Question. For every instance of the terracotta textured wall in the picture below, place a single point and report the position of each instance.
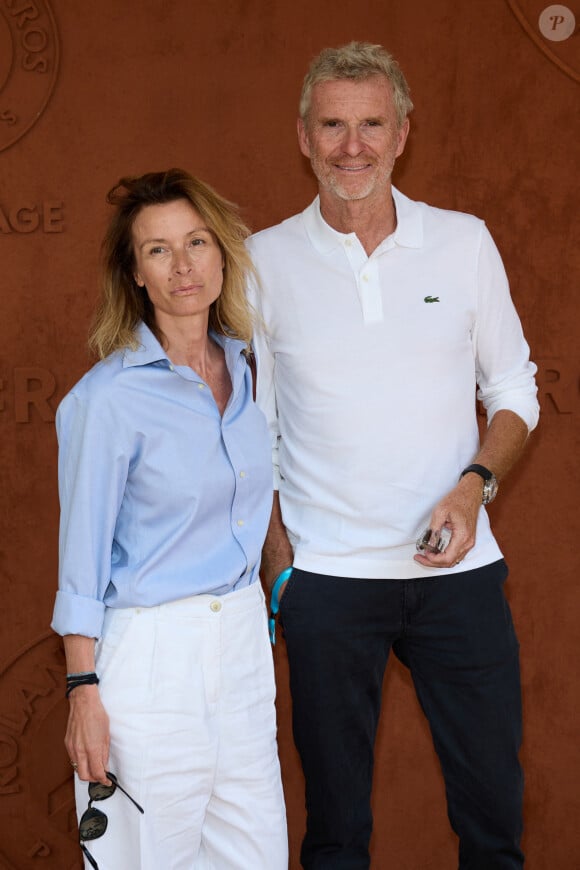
(90, 91)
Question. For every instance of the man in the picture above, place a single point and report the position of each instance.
(382, 316)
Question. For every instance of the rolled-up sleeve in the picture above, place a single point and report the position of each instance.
(77, 614)
(92, 472)
(505, 374)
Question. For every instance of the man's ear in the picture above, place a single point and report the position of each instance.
(403, 133)
(303, 138)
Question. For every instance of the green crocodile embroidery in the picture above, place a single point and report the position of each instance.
(431, 299)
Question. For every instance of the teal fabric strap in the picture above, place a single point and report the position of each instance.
(275, 600)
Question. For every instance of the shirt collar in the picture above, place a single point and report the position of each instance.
(233, 348)
(150, 350)
(408, 234)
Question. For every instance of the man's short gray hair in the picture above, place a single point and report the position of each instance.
(357, 61)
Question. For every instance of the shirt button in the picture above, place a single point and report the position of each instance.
(200, 386)
(242, 473)
(348, 243)
(215, 606)
(240, 522)
(365, 277)
(171, 369)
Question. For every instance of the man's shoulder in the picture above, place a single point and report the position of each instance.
(292, 227)
(451, 217)
(436, 218)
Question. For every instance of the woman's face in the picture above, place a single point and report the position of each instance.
(177, 260)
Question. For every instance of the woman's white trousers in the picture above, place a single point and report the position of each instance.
(189, 689)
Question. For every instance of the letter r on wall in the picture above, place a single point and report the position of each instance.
(33, 386)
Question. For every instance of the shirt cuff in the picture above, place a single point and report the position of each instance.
(527, 412)
(77, 614)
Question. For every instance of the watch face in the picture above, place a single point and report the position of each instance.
(490, 488)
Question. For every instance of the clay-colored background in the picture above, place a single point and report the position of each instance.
(212, 86)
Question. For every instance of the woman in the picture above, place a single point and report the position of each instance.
(165, 487)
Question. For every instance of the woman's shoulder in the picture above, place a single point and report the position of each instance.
(99, 385)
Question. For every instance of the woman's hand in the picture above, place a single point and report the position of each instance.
(87, 736)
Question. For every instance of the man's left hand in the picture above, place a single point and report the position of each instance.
(458, 511)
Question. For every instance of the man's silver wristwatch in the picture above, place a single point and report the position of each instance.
(490, 484)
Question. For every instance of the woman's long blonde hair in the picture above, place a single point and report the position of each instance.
(124, 304)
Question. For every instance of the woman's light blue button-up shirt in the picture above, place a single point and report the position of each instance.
(161, 497)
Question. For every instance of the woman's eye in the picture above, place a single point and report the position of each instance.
(156, 250)
(196, 242)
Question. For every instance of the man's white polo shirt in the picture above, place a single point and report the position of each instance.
(367, 373)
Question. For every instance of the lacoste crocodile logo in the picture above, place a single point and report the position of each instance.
(431, 299)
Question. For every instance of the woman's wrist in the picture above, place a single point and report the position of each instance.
(75, 681)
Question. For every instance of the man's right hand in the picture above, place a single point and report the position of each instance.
(277, 554)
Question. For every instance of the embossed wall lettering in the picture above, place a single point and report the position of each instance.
(29, 53)
(558, 386)
(558, 382)
(46, 216)
(33, 391)
(35, 788)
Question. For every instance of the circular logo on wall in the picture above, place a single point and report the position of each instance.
(553, 29)
(29, 54)
(37, 809)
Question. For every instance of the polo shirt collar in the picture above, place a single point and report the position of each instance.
(408, 234)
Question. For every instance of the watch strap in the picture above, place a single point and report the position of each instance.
(478, 469)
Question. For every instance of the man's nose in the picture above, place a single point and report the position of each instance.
(352, 143)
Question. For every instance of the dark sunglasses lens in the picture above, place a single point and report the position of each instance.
(93, 824)
(100, 792)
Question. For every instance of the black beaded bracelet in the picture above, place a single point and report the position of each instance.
(74, 680)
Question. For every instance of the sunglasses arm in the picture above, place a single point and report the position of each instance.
(114, 779)
(89, 857)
